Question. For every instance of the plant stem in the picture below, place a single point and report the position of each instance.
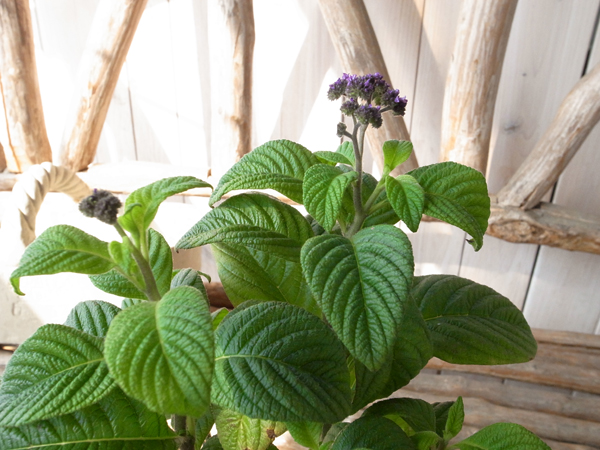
(378, 189)
(151, 289)
(358, 143)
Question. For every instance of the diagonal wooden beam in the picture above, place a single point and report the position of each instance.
(109, 40)
(473, 79)
(575, 119)
(356, 45)
(28, 141)
(231, 47)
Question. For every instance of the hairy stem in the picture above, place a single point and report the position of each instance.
(358, 142)
(151, 289)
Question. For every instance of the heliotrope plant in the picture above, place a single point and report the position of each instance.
(328, 316)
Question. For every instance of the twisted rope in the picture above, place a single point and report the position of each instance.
(18, 224)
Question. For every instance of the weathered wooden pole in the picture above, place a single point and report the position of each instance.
(2, 158)
(578, 114)
(356, 45)
(109, 40)
(28, 141)
(473, 79)
(231, 47)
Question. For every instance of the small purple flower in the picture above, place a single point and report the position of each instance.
(349, 107)
(399, 107)
(368, 114)
(337, 89)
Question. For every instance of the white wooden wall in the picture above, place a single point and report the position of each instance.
(161, 111)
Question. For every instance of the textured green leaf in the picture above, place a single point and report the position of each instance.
(347, 149)
(63, 248)
(121, 255)
(149, 199)
(407, 197)
(161, 263)
(218, 316)
(92, 317)
(458, 195)
(239, 432)
(502, 436)
(127, 302)
(188, 277)
(333, 158)
(278, 165)
(256, 241)
(425, 440)
(456, 417)
(203, 427)
(115, 422)
(212, 443)
(361, 284)
(412, 351)
(56, 371)
(411, 414)
(324, 188)
(471, 323)
(373, 433)
(307, 434)
(268, 347)
(395, 153)
(162, 353)
(441, 410)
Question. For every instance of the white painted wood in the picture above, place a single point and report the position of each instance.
(152, 85)
(531, 89)
(565, 289)
(437, 246)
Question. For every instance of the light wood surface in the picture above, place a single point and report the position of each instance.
(356, 44)
(28, 141)
(473, 79)
(575, 119)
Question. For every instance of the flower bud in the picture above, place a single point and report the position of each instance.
(102, 205)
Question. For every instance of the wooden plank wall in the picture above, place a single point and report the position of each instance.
(161, 111)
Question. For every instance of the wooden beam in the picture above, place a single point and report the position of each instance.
(109, 40)
(2, 158)
(473, 79)
(356, 45)
(549, 224)
(28, 141)
(231, 49)
(575, 119)
(480, 413)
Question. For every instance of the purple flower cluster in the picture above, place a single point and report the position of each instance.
(376, 93)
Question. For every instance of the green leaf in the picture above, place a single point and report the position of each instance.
(92, 317)
(203, 426)
(395, 153)
(115, 422)
(471, 323)
(212, 443)
(162, 352)
(237, 431)
(127, 302)
(150, 197)
(502, 436)
(256, 241)
(361, 284)
(412, 351)
(161, 263)
(410, 414)
(458, 195)
(441, 410)
(218, 316)
(63, 248)
(347, 149)
(373, 433)
(268, 347)
(324, 188)
(278, 165)
(306, 434)
(56, 371)
(188, 277)
(456, 417)
(333, 158)
(407, 197)
(121, 255)
(425, 440)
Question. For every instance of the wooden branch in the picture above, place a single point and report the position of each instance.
(217, 296)
(2, 158)
(28, 140)
(549, 224)
(231, 46)
(473, 79)
(480, 413)
(110, 37)
(513, 395)
(575, 119)
(356, 45)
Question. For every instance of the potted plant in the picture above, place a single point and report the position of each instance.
(328, 316)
